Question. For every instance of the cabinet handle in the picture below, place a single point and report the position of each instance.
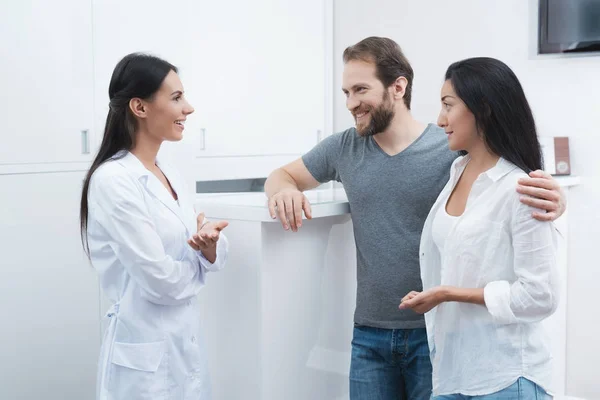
(318, 135)
(203, 146)
(85, 141)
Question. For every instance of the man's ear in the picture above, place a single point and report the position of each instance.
(399, 87)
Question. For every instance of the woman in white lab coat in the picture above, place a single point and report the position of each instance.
(151, 251)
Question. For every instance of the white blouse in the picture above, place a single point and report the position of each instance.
(442, 226)
(496, 245)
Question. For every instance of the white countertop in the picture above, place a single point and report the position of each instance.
(253, 206)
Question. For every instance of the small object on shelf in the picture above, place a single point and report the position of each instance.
(556, 155)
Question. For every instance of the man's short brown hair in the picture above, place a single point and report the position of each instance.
(388, 58)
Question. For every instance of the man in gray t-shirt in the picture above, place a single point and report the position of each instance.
(390, 197)
(392, 168)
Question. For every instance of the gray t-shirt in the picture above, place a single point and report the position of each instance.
(390, 197)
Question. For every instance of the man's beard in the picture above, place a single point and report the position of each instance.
(381, 118)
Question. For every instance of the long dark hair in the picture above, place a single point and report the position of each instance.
(492, 92)
(137, 75)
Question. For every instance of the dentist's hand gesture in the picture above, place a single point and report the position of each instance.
(207, 236)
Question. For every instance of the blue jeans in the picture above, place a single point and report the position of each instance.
(390, 364)
(522, 389)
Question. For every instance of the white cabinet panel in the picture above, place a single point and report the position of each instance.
(278, 318)
(262, 78)
(46, 76)
(167, 30)
(50, 336)
(254, 71)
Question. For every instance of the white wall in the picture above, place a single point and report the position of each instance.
(564, 92)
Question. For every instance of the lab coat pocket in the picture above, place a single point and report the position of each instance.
(138, 371)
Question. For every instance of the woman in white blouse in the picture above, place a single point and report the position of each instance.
(150, 249)
(488, 268)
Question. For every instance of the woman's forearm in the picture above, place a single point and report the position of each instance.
(463, 295)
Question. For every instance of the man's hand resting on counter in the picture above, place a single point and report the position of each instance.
(289, 204)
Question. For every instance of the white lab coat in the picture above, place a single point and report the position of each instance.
(137, 232)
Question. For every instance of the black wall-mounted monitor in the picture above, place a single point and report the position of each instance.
(569, 26)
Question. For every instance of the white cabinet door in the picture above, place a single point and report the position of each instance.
(50, 336)
(296, 75)
(46, 76)
(254, 71)
(260, 77)
(164, 29)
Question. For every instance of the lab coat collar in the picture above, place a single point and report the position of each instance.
(153, 184)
